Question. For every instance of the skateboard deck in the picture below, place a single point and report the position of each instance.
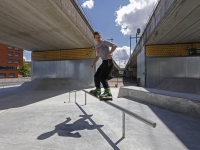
(101, 99)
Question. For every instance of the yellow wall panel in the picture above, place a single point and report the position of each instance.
(64, 54)
(46, 55)
(170, 50)
(77, 54)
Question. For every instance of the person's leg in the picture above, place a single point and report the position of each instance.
(105, 71)
(97, 77)
(97, 91)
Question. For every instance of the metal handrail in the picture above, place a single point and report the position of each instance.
(124, 111)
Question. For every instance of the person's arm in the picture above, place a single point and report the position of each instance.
(113, 48)
(96, 59)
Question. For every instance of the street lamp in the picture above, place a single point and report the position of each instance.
(136, 37)
(111, 39)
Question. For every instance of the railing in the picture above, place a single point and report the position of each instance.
(124, 111)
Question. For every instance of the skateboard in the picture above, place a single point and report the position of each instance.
(101, 99)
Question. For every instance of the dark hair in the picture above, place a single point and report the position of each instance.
(97, 33)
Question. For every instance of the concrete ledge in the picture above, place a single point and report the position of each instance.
(188, 104)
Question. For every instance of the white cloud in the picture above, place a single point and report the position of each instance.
(88, 4)
(121, 55)
(134, 15)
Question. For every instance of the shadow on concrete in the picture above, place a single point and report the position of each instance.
(64, 129)
(186, 129)
(112, 144)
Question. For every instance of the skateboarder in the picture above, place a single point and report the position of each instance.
(103, 51)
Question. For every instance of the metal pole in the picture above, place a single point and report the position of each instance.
(85, 99)
(69, 96)
(118, 79)
(136, 38)
(123, 124)
(130, 46)
(111, 39)
(75, 96)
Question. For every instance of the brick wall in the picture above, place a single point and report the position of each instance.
(10, 57)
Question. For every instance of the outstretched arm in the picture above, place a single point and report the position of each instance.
(96, 59)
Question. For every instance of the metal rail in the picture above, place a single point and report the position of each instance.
(124, 111)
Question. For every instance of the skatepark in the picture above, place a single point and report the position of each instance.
(41, 116)
(155, 106)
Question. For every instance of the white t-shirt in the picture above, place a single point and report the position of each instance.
(103, 49)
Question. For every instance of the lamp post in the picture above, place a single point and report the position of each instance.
(136, 37)
(111, 39)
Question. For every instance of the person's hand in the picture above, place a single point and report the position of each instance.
(108, 56)
(92, 66)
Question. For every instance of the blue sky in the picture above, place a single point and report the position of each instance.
(117, 19)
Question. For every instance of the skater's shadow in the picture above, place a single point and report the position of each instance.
(64, 129)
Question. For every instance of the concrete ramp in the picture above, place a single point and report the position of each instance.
(182, 85)
(45, 84)
(67, 84)
(185, 103)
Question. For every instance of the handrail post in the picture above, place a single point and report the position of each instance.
(123, 124)
(75, 96)
(69, 97)
(85, 98)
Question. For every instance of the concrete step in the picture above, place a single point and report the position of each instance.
(188, 104)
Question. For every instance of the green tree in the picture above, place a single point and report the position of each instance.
(24, 70)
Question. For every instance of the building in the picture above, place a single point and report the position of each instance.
(11, 58)
(28, 62)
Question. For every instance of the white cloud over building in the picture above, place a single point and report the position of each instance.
(134, 15)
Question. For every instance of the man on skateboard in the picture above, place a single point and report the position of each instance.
(103, 51)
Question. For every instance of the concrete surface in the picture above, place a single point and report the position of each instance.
(45, 120)
(182, 85)
(10, 82)
(122, 81)
(66, 84)
(44, 25)
(188, 104)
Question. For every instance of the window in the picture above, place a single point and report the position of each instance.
(10, 61)
(10, 53)
(8, 68)
(17, 54)
(10, 47)
(17, 61)
(17, 49)
(2, 75)
(11, 75)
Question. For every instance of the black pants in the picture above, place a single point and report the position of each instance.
(102, 73)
